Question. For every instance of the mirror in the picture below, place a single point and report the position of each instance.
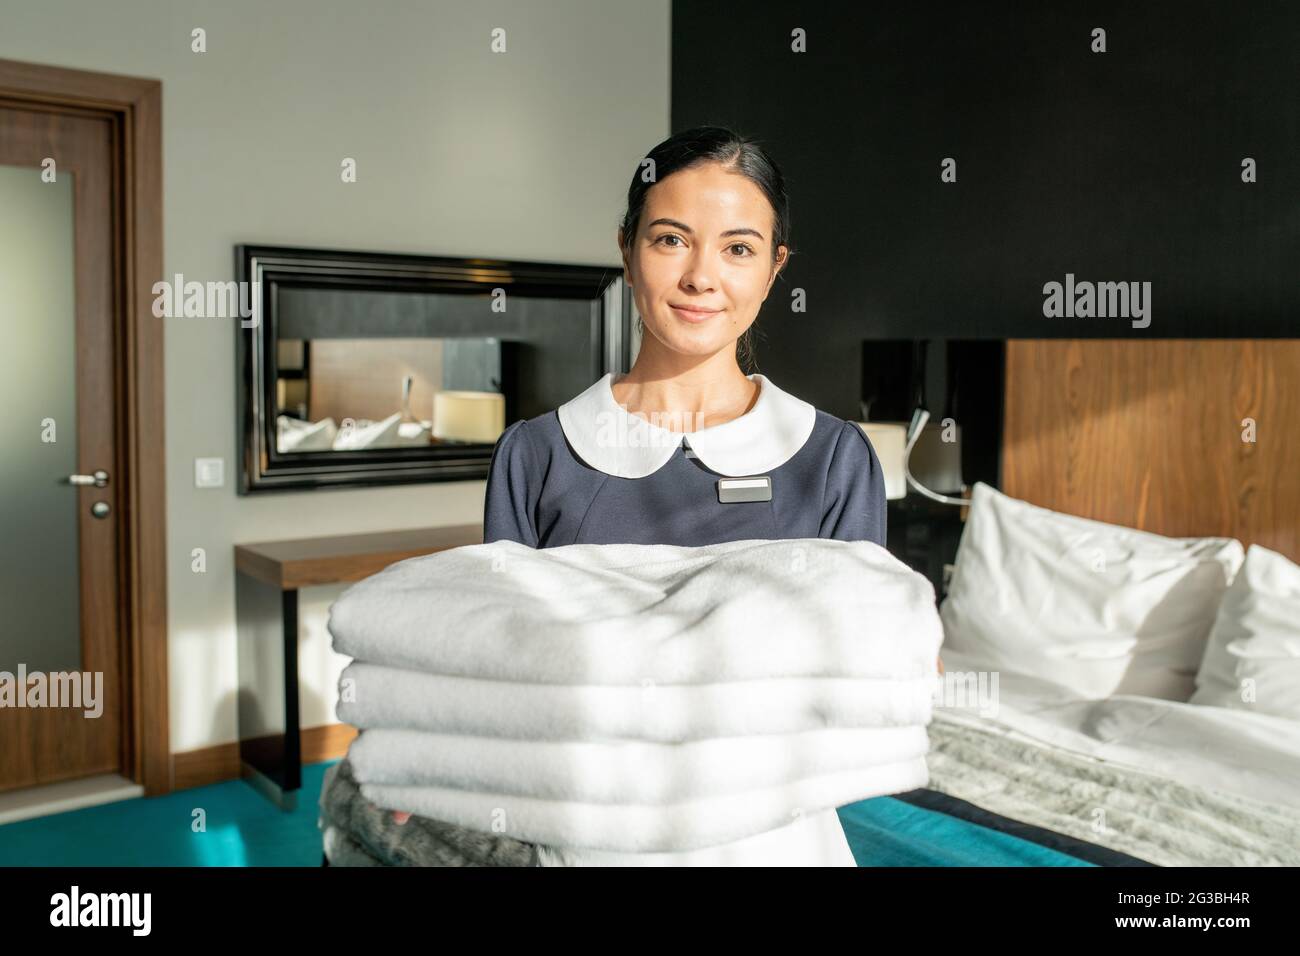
(371, 368)
(357, 394)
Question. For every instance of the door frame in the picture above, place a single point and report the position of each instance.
(134, 106)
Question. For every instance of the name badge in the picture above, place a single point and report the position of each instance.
(744, 489)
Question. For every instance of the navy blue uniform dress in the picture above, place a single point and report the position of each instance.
(590, 472)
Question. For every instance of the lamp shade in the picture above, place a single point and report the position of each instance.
(936, 457)
(469, 416)
(889, 441)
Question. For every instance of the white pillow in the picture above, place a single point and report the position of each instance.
(1097, 608)
(414, 433)
(1254, 648)
(293, 434)
(368, 434)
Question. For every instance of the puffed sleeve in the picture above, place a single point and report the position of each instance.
(854, 506)
(512, 488)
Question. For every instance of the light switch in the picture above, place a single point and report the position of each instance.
(209, 472)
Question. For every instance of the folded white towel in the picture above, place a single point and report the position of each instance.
(689, 825)
(372, 695)
(816, 839)
(626, 614)
(625, 772)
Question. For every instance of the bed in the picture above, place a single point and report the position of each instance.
(1145, 713)
(1123, 780)
(1052, 780)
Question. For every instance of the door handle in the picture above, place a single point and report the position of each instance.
(99, 479)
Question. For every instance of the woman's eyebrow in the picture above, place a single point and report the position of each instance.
(745, 231)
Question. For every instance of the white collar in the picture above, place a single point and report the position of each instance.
(611, 439)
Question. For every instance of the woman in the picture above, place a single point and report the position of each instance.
(646, 457)
(638, 458)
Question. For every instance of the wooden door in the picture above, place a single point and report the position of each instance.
(59, 565)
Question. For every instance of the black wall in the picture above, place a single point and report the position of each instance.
(1116, 166)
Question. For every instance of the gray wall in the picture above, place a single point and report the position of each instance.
(460, 152)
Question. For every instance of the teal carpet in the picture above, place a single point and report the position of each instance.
(243, 828)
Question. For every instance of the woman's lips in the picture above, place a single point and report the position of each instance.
(693, 315)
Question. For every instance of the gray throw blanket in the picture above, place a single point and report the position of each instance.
(357, 833)
(1125, 808)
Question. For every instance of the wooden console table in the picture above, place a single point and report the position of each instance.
(267, 578)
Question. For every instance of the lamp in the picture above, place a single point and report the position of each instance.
(468, 416)
(890, 442)
(953, 457)
(897, 377)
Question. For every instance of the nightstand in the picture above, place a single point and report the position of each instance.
(268, 576)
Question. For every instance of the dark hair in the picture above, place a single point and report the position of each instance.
(740, 154)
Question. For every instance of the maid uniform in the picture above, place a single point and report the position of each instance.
(590, 472)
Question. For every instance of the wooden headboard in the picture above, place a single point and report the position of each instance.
(1149, 434)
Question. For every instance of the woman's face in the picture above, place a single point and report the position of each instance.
(701, 263)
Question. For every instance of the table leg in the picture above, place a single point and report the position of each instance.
(270, 737)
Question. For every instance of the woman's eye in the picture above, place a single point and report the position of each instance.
(674, 241)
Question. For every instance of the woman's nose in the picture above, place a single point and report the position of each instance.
(698, 277)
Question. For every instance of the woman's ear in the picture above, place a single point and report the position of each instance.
(782, 257)
(627, 268)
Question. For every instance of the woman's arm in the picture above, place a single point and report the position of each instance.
(511, 500)
(510, 508)
(853, 508)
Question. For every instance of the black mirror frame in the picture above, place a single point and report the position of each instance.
(263, 468)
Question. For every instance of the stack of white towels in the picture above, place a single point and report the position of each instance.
(642, 704)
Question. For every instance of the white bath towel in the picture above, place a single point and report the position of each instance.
(640, 828)
(627, 614)
(624, 772)
(816, 839)
(373, 695)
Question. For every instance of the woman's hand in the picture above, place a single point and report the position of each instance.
(399, 816)
(940, 660)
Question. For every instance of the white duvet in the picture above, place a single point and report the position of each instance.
(1250, 754)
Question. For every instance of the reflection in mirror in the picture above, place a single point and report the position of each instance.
(338, 394)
